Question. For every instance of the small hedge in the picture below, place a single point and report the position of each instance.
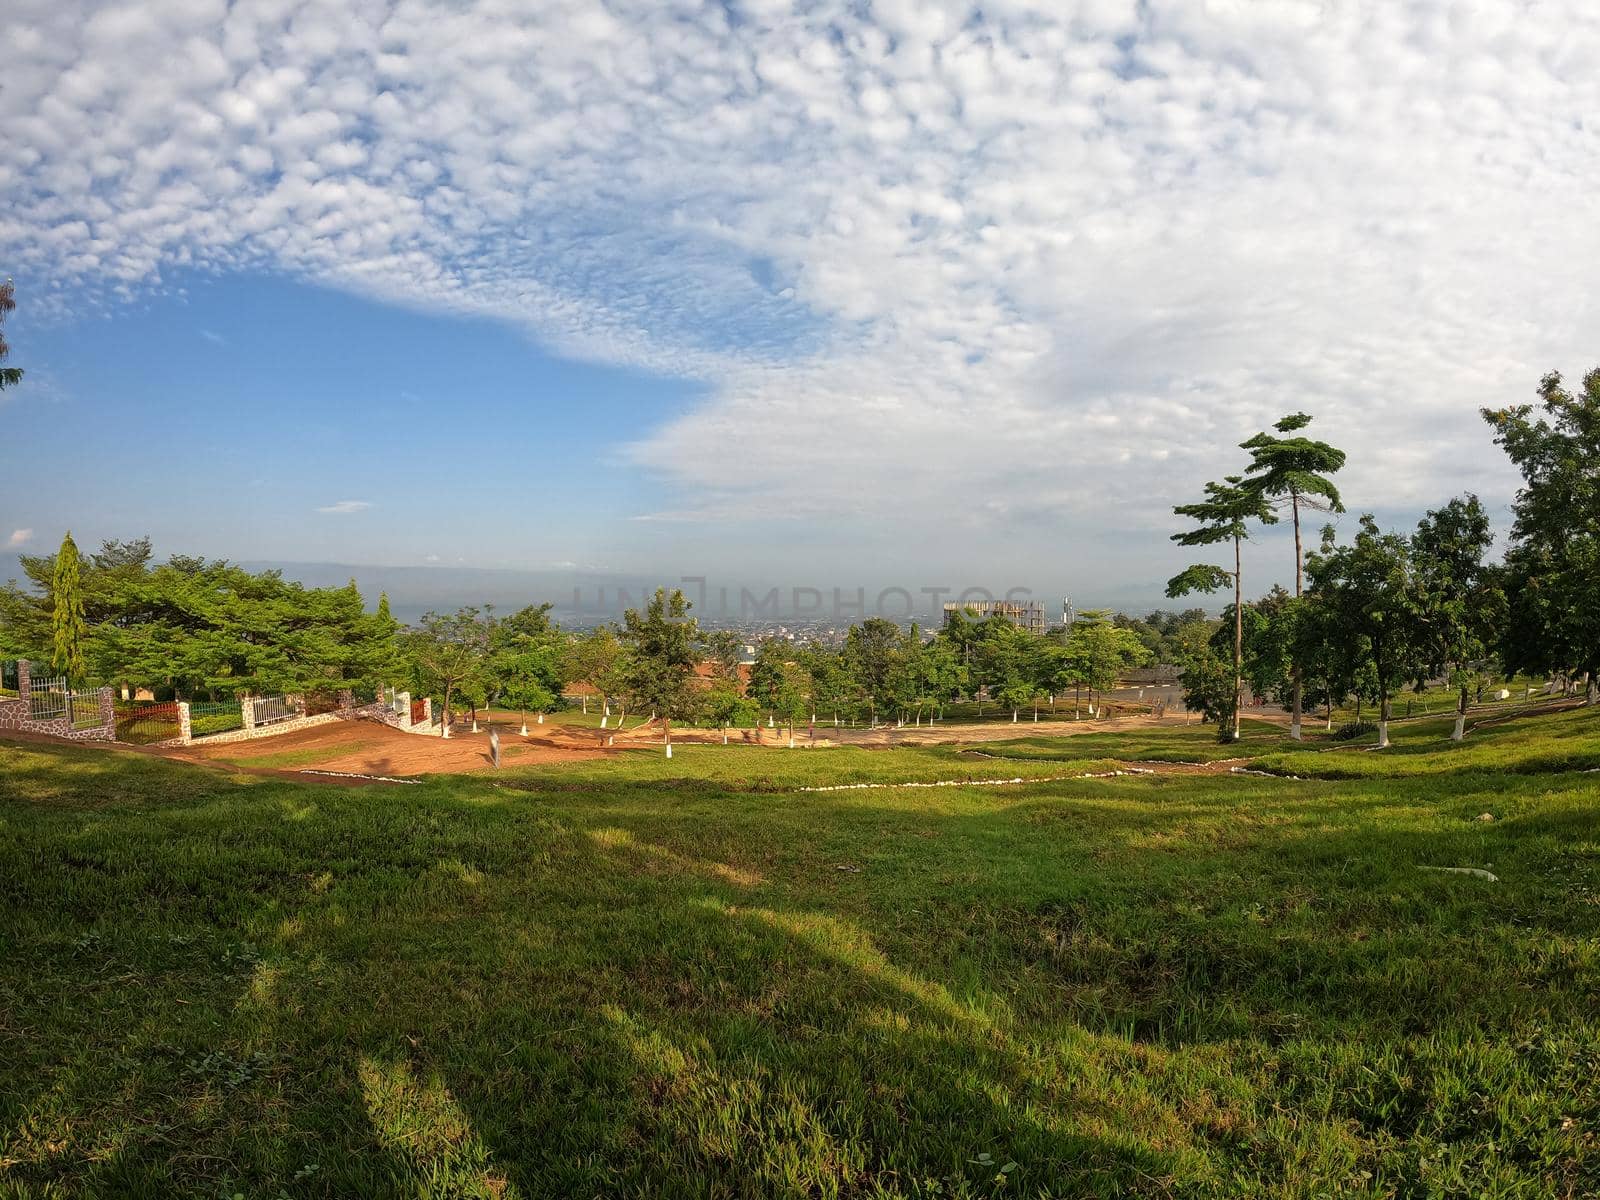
(1354, 729)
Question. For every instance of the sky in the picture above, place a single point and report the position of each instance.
(898, 293)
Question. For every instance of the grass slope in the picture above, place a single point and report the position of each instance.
(641, 978)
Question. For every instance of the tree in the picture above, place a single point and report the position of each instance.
(1224, 515)
(931, 672)
(1459, 594)
(1296, 468)
(1553, 564)
(870, 650)
(832, 686)
(9, 376)
(450, 651)
(66, 612)
(598, 659)
(1370, 590)
(1003, 663)
(524, 661)
(1102, 651)
(661, 666)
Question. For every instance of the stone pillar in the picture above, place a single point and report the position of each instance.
(108, 713)
(402, 708)
(247, 713)
(347, 700)
(185, 729)
(427, 710)
(24, 680)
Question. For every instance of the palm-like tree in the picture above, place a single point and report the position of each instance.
(1295, 469)
(1224, 515)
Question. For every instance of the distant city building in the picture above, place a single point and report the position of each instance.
(1026, 614)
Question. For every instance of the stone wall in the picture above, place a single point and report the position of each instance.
(293, 725)
(18, 714)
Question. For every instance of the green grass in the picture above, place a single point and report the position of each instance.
(648, 978)
(310, 756)
(1564, 741)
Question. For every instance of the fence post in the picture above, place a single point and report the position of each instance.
(347, 701)
(247, 712)
(427, 710)
(185, 727)
(24, 681)
(108, 713)
(402, 709)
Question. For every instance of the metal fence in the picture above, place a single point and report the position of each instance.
(269, 710)
(83, 708)
(47, 698)
(144, 724)
(209, 717)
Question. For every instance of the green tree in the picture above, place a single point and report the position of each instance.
(1370, 591)
(1553, 564)
(9, 376)
(1462, 604)
(660, 673)
(832, 687)
(870, 651)
(67, 627)
(449, 650)
(1295, 468)
(1224, 515)
(932, 674)
(525, 659)
(1102, 651)
(600, 660)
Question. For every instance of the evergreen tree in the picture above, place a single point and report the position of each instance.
(66, 612)
(663, 641)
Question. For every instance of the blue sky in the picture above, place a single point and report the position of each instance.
(255, 416)
(819, 293)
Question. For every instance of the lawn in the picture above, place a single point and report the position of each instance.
(648, 978)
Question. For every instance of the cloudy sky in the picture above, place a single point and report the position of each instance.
(813, 293)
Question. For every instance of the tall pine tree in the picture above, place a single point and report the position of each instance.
(67, 625)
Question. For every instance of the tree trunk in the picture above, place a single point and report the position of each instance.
(666, 728)
(444, 725)
(1299, 575)
(1383, 720)
(1238, 638)
(1461, 716)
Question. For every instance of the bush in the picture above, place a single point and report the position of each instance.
(1354, 729)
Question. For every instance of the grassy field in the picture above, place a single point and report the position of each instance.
(650, 978)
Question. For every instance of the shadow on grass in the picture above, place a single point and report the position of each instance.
(465, 989)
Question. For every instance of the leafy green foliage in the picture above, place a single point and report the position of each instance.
(663, 642)
(192, 627)
(1553, 565)
(10, 377)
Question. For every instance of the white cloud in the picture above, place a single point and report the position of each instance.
(1058, 257)
(344, 507)
(19, 537)
(216, 339)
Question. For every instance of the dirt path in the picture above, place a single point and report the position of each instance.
(368, 748)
